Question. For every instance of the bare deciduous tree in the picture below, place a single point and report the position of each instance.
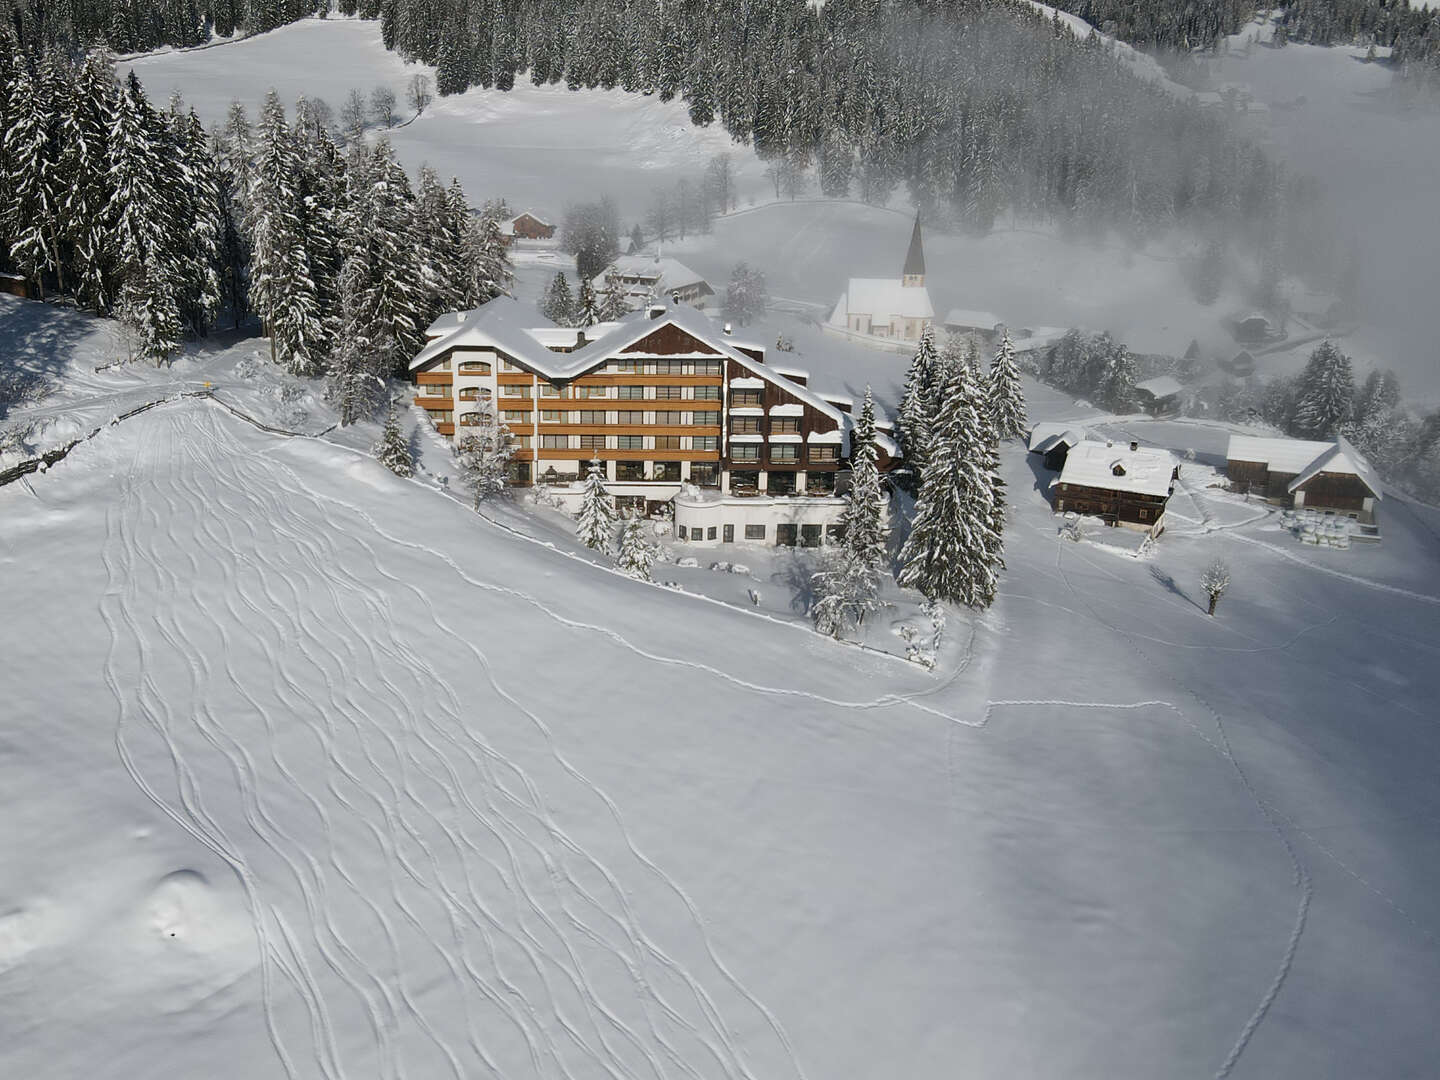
(382, 106)
(417, 92)
(352, 116)
(1215, 581)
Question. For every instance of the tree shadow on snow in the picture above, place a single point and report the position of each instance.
(40, 338)
(1171, 585)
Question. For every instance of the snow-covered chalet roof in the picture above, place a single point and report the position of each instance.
(1145, 470)
(533, 217)
(1046, 435)
(502, 325)
(972, 320)
(1162, 386)
(661, 273)
(1276, 454)
(1340, 458)
(882, 299)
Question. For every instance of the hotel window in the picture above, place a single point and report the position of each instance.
(705, 473)
(629, 470)
(436, 389)
(444, 365)
(517, 391)
(555, 442)
(627, 367)
(631, 393)
(671, 367)
(707, 393)
(684, 533)
(706, 419)
(522, 441)
(754, 532)
(591, 417)
(628, 416)
(784, 425)
(786, 453)
(629, 442)
(707, 367)
(546, 390)
(475, 419)
(441, 416)
(552, 416)
(667, 442)
(745, 425)
(668, 470)
(704, 442)
(824, 453)
(510, 365)
(669, 393)
(710, 533)
(669, 418)
(592, 442)
(515, 415)
(592, 391)
(474, 393)
(745, 452)
(475, 367)
(834, 534)
(746, 399)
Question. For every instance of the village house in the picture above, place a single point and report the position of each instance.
(679, 412)
(647, 278)
(889, 308)
(527, 226)
(1125, 485)
(1160, 395)
(981, 327)
(1299, 473)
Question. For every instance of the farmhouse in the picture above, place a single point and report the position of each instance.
(1159, 395)
(676, 409)
(527, 226)
(1123, 485)
(981, 327)
(1299, 473)
(888, 308)
(647, 278)
(1054, 441)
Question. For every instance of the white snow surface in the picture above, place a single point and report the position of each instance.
(1116, 467)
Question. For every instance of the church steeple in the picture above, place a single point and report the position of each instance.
(914, 273)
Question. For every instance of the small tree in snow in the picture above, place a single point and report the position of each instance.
(595, 523)
(392, 449)
(847, 589)
(746, 296)
(417, 92)
(637, 548)
(558, 304)
(484, 457)
(382, 106)
(1215, 581)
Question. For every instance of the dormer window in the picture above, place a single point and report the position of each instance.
(1117, 469)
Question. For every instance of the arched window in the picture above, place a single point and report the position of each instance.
(475, 367)
(474, 419)
(474, 393)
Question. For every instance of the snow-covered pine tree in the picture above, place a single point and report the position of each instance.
(847, 590)
(1327, 393)
(355, 364)
(281, 287)
(953, 552)
(917, 407)
(595, 521)
(1007, 396)
(392, 449)
(487, 256)
(198, 231)
(637, 547)
(559, 305)
(233, 154)
(441, 235)
(587, 309)
(746, 295)
(485, 456)
(84, 167)
(32, 205)
(863, 520)
(612, 302)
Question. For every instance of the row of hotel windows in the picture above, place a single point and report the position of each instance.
(785, 452)
(626, 442)
(617, 367)
(786, 535)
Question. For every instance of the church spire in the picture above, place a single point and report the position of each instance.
(914, 272)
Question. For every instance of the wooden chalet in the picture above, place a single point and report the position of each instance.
(1127, 485)
(1330, 476)
(526, 226)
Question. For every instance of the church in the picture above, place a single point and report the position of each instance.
(889, 308)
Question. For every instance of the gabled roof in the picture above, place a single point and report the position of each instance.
(1144, 470)
(1045, 436)
(1340, 458)
(915, 257)
(501, 325)
(1278, 455)
(978, 320)
(881, 298)
(1162, 386)
(665, 272)
(533, 217)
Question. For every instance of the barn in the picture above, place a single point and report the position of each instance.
(1053, 442)
(1160, 395)
(1125, 485)
(1301, 473)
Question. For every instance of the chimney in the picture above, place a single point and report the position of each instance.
(579, 339)
(1134, 445)
(727, 329)
(655, 311)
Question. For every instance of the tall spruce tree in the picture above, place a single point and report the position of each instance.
(485, 456)
(637, 548)
(32, 201)
(1327, 393)
(559, 305)
(1007, 396)
(953, 551)
(917, 408)
(85, 166)
(595, 521)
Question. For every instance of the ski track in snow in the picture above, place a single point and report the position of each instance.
(519, 918)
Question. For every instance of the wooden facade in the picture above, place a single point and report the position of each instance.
(528, 227)
(1111, 505)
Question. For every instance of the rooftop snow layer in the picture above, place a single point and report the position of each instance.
(1161, 386)
(976, 320)
(1340, 458)
(1279, 455)
(1143, 471)
(1046, 435)
(882, 298)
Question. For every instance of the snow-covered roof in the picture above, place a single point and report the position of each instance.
(533, 216)
(785, 438)
(1142, 471)
(1279, 455)
(501, 325)
(784, 410)
(882, 298)
(748, 410)
(975, 320)
(661, 272)
(747, 438)
(1340, 458)
(1045, 436)
(791, 372)
(824, 436)
(1162, 386)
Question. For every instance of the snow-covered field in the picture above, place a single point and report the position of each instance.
(311, 771)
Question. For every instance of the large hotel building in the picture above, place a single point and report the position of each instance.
(676, 409)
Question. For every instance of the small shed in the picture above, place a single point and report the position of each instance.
(1053, 442)
(14, 284)
(528, 226)
(1161, 394)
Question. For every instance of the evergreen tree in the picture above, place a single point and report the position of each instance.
(746, 296)
(84, 167)
(917, 407)
(637, 548)
(355, 362)
(486, 271)
(595, 522)
(392, 449)
(587, 308)
(864, 528)
(846, 592)
(1327, 393)
(953, 550)
(1007, 396)
(558, 305)
(484, 457)
(32, 205)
